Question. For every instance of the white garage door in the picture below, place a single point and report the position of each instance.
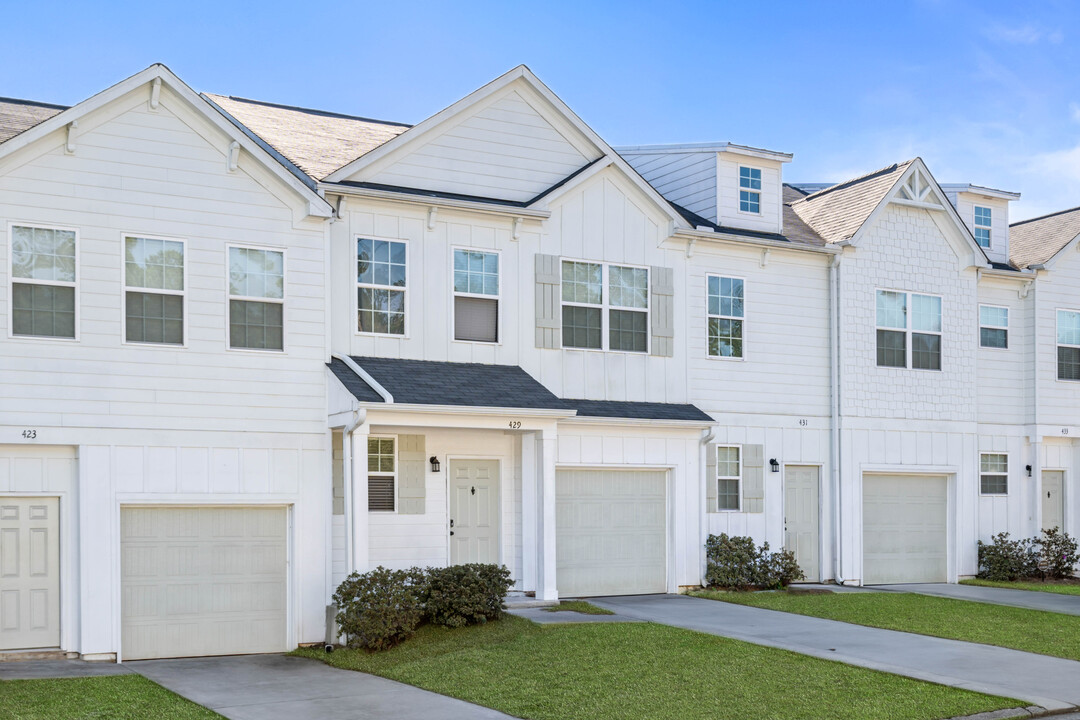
(611, 532)
(904, 529)
(202, 581)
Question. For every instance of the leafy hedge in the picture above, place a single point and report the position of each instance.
(1052, 555)
(737, 563)
(381, 608)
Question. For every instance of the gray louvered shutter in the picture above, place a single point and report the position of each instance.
(411, 478)
(710, 478)
(662, 307)
(548, 301)
(753, 478)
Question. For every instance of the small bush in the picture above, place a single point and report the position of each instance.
(1005, 559)
(462, 595)
(736, 563)
(379, 609)
(1057, 554)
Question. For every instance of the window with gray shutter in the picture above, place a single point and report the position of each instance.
(412, 466)
(728, 461)
(662, 296)
(548, 301)
(382, 472)
(753, 475)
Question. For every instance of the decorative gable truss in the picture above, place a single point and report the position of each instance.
(917, 190)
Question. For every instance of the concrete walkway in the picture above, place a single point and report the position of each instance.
(42, 669)
(1050, 682)
(276, 687)
(1028, 599)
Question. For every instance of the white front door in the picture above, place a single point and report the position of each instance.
(1053, 486)
(29, 572)
(474, 511)
(801, 517)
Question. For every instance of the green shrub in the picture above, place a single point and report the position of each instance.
(1005, 559)
(736, 563)
(1057, 554)
(379, 609)
(462, 595)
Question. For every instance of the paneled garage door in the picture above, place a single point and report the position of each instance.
(611, 532)
(202, 581)
(904, 529)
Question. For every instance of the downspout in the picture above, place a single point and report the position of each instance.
(707, 436)
(1035, 494)
(834, 430)
(359, 416)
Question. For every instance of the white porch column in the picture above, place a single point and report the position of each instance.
(530, 513)
(545, 483)
(358, 477)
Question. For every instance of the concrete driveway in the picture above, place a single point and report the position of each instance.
(1028, 599)
(1050, 682)
(276, 687)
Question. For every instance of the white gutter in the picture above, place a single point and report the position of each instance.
(834, 450)
(693, 235)
(429, 201)
(471, 410)
(365, 376)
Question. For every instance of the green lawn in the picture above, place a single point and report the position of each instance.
(117, 697)
(1032, 630)
(641, 670)
(579, 606)
(1050, 587)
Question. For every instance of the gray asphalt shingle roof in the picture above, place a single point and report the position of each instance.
(430, 382)
(17, 116)
(837, 212)
(1033, 242)
(315, 141)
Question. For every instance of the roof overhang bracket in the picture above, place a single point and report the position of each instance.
(765, 257)
(516, 232)
(234, 156)
(155, 94)
(432, 212)
(69, 144)
(690, 243)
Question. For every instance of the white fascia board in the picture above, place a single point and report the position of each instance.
(690, 425)
(428, 200)
(1073, 244)
(980, 190)
(467, 410)
(705, 148)
(1020, 275)
(317, 205)
(694, 235)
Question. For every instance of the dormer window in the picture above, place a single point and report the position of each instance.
(983, 220)
(749, 190)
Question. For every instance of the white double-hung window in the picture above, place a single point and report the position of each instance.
(728, 476)
(154, 290)
(908, 330)
(256, 299)
(726, 310)
(382, 474)
(380, 286)
(605, 307)
(1068, 344)
(983, 221)
(993, 327)
(994, 474)
(476, 296)
(43, 278)
(749, 190)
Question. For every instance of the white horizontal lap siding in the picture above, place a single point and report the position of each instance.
(1005, 391)
(615, 447)
(727, 185)
(1058, 289)
(906, 251)
(786, 355)
(157, 174)
(506, 150)
(603, 220)
(688, 179)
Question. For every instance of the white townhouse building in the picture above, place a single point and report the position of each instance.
(251, 348)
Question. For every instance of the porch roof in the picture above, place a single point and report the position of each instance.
(430, 382)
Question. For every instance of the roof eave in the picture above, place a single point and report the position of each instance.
(416, 198)
(828, 249)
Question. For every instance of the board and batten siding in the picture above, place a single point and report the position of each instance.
(155, 173)
(604, 219)
(506, 149)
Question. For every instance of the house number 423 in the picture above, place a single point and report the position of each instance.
(29, 434)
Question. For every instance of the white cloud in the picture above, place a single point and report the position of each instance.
(1074, 111)
(1022, 34)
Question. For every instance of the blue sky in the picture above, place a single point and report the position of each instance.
(985, 92)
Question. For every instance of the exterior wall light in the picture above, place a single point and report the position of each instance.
(774, 466)
(434, 463)
(1028, 468)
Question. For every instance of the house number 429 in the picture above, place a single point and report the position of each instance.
(515, 424)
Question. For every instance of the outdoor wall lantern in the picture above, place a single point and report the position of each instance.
(774, 466)
(434, 464)
(1028, 468)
